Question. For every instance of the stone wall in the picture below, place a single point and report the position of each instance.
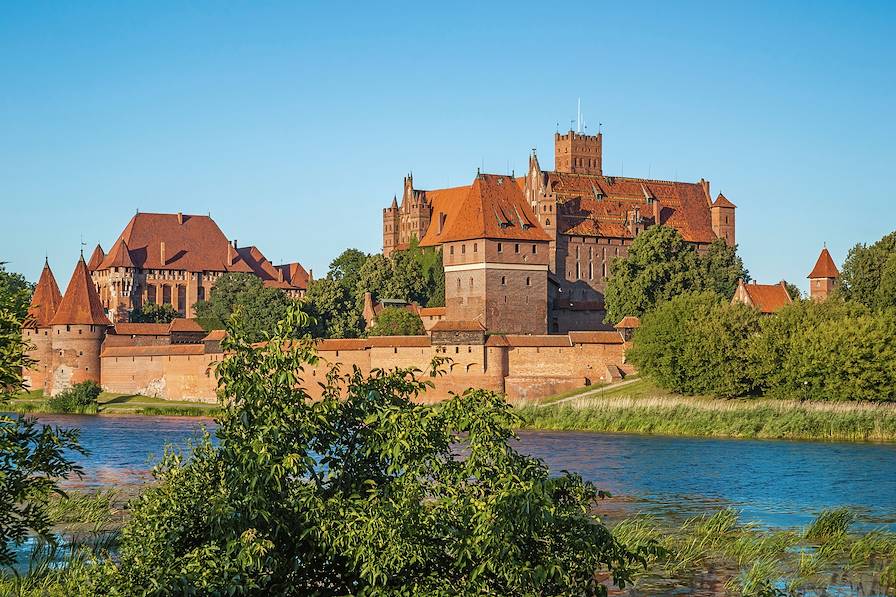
(173, 372)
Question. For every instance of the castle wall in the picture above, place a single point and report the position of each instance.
(76, 356)
(37, 376)
(174, 372)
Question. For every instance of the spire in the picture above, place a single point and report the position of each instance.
(45, 300)
(119, 256)
(96, 259)
(722, 201)
(81, 304)
(824, 267)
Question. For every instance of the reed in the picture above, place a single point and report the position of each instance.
(633, 409)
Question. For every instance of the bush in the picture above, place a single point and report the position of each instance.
(80, 398)
(361, 492)
(393, 321)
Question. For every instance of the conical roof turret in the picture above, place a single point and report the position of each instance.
(824, 267)
(81, 304)
(45, 299)
(96, 258)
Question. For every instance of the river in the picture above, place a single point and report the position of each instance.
(773, 483)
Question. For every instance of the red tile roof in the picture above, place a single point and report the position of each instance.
(538, 341)
(215, 335)
(824, 267)
(599, 205)
(767, 298)
(445, 204)
(141, 329)
(431, 311)
(45, 299)
(398, 341)
(628, 322)
(494, 207)
(119, 256)
(598, 337)
(295, 274)
(181, 324)
(96, 258)
(722, 201)
(342, 344)
(153, 351)
(192, 243)
(458, 326)
(81, 304)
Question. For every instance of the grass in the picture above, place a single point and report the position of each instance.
(716, 549)
(120, 404)
(641, 407)
(571, 393)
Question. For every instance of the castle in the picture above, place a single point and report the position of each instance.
(573, 220)
(176, 259)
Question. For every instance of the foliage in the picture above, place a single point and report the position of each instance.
(15, 292)
(793, 291)
(363, 492)
(154, 313)
(696, 344)
(80, 398)
(393, 321)
(32, 456)
(336, 301)
(869, 274)
(661, 265)
(246, 297)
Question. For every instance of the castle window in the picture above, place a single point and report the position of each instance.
(503, 281)
(500, 248)
(80, 354)
(451, 250)
(471, 282)
(463, 249)
(68, 328)
(458, 282)
(475, 247)
(528, 281)
(578, 272)
(516, 248)
(534, 249)
(604, 267)
(547, 222)
(590, 270)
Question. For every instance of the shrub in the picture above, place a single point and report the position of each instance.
(80, 398)
(393, 321)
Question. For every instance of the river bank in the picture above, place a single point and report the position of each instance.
(641, 407)
(116, 404)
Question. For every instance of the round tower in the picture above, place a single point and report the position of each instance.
(77, 332)
(37, 330)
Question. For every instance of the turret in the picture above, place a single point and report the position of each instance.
(577, 153)
(37, 330)
(823, 277)
(391, 224)
(722, 213)
(78, 329)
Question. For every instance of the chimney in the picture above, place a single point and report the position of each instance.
(279, 273)
(657, 211)
(234, 243)
(180, 218)
(162, 253)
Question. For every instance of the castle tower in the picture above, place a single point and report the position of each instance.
(496, 261)
(577, 153)
(37, 330)
(115, 281)
(78, 329)
(823, 277)
(96, 258)
(722, 214)
(391, 222)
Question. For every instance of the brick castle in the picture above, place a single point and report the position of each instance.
(571, 223)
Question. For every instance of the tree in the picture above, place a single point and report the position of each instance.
(659, 266)
(246, 297)
(793, 290)
(363, 492)
(334, 310)
(697, 344)
(32, 457)
(346, 267)
(397, 322)
(869, 273)
(722, 268)
(15, 292)
(154, 313)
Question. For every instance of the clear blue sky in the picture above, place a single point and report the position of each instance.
(293, 124)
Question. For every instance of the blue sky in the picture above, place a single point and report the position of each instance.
(293, 123)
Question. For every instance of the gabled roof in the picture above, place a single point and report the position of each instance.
(45, 299)
(767, 298)
(192, 243)
(96, 258)
(182, 324)
(493, 208)
(629, 322)
(141, 329)
(722, 201)
(295, 274)
(445, 204)
(81, 304)
(119, 256)
(599, 205)
(824, 267)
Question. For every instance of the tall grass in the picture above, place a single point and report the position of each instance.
(743, 418)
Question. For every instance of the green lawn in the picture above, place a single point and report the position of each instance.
(120, 404)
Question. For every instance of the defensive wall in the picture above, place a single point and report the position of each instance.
(522, 367)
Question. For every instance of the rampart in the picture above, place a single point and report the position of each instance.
(522, 367)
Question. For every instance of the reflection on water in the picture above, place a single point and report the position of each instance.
(774, 483)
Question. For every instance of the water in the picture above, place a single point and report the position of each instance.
(774, 483)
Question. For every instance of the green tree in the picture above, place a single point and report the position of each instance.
(869, 273)
(334, 310)
(660, 265)
(346, 267)
(32, 457)
(154, 313)
(793, 290)
(244, 296)
(397, 322)
(15, 292)
(697, 344)
(722, 268)
(363, 492)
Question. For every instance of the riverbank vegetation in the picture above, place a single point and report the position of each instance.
(108, 403)
(643, 407)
